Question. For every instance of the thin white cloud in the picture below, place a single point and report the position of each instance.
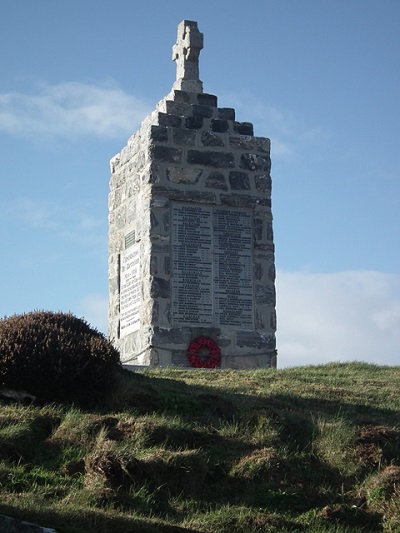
(71, 109)
(72, 222)
(342, 316)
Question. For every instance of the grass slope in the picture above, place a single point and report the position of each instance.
(313, 449)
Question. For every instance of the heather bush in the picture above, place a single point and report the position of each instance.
(55, 356)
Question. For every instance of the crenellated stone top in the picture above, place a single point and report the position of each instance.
(186, 54)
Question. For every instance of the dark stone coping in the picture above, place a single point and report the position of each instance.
(165, 119)
(207, 99)
(244, 128)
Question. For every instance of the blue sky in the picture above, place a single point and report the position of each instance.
(320, 78)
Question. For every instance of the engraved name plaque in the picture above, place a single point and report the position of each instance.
(212, 266)
(192, 265)
(130, 290)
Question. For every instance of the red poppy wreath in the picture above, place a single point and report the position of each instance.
(214, 358)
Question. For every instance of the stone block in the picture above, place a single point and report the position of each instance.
(239, 181)
(254, 162)
(207, 99)
(243, 128)
(184, 174)
(181, 97)
(262, 144)
(241, 362)
(226, 113)
(167, 154)
(255, 340)
(159, 133)
(258, 271)
(263, 183)
(243, 142)
(194, 123)
(176, 108)
(265, 295)
(169, 120)
(203, 111)
(172, 336)
(211, 139)
(216, 180)
(184, 136)
(211, 159)
(238, 200)
(219, 126)
(160, 288)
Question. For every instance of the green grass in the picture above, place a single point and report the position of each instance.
(310, 449)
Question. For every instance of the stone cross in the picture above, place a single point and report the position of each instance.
(186, 53)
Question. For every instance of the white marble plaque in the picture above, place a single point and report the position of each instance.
(212, 266)
(130, 290)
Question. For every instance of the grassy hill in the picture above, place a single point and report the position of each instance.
(313, 449)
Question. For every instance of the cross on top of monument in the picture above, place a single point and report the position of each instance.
(186, 53)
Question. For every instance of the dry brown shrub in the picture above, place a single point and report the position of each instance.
(55, 356)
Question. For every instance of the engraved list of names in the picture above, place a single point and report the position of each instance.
(212, 266)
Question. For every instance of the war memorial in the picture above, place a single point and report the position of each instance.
(191, 252)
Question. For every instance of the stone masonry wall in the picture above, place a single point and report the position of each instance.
(189, 150)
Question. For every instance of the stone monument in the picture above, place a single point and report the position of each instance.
(191, 252)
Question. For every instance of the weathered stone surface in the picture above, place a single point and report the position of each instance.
(211, 139)
(262, 144)
(169, 120)
(238, 200)
(167, 154)
(220, 126)
(207, 99)
(181, 97)
(216, 180)
(159, 133)
(244, 128)
(243, 362)
(254, 162)
(272, 272)
(263, 183)
(160, 288)
(241, 142)
(184, 174)
(239, 181)
(175, 336)
(226, 113)
(203, 111)
(194, 123)
(185, 195)
(256, 340)
(211, 159)
(183, 136)
(265, 295)
(186, 53)
(259, 272)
